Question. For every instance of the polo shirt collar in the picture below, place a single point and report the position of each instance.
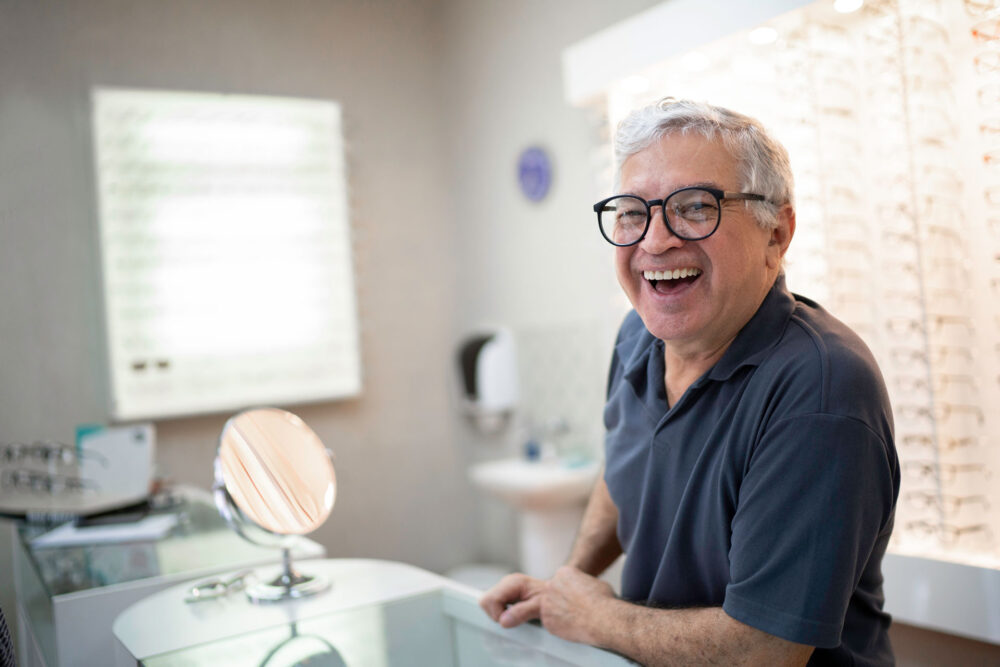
(759, 335)
(634, 355)
(749, 347)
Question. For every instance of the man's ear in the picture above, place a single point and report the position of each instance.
(781, 235)
(783, 232)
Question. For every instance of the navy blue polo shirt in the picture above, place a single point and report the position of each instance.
(768, 489)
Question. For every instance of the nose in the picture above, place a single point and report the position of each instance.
(658, 237)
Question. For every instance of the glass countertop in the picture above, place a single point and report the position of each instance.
(377, 614)
(200, 541)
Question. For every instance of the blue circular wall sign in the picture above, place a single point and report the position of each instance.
(534, 173)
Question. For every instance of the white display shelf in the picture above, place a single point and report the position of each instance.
(948, 597)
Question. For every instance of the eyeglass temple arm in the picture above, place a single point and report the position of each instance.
(743, 195)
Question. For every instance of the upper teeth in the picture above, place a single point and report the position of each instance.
(670, 275)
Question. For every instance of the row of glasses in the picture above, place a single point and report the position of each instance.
(983, 23)
(886, 210)
(927, 314)
(48, 452)
(46, 467)
(983, 20)
(945, 505)
(35, 481)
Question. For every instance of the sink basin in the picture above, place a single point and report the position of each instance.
(536, 485)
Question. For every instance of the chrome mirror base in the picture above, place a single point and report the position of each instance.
(289, 585)
(279, 589)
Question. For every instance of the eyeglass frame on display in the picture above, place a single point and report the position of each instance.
(948, 444)
(16, 478)
(218, 587)
(947, 502)
(944, 380)
(981, 8)
(944, 472)
(948, 533)
(987, 30)
(48, 452)
(940, 412)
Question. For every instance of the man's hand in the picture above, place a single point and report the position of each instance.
(566, 604)
(580, 608)
(523, 595)
(571, 605)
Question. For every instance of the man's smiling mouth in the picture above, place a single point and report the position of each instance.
(671, 275)
(665, 281)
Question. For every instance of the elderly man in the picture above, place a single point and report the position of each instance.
(751, 476)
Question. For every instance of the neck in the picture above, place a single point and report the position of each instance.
(686, 361)
(682, 369)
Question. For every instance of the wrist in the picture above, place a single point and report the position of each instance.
(607, 617)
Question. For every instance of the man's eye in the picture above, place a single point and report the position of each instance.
(696, 209)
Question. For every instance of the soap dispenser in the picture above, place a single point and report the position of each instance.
(488, 364)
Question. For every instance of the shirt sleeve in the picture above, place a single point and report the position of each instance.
(817, 492)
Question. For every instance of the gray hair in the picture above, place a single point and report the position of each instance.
(762, 161)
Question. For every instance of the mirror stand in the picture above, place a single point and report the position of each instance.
(290, 584)
(274, 481)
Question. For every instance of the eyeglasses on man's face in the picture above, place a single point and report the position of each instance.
(690, 214)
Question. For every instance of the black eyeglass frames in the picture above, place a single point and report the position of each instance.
(690, 213)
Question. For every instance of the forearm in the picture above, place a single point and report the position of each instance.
(596, 546)
(704, 636)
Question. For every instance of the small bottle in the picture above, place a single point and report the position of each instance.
(532, 450)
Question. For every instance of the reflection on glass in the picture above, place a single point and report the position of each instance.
(301, 649)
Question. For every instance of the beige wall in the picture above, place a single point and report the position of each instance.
(402, 494)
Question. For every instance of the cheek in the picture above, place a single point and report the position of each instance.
(626, 277)
(750, 252)
(623, 270)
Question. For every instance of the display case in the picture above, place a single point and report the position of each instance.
(68, 596)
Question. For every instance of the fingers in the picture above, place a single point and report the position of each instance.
(511, 590)
(522, 611)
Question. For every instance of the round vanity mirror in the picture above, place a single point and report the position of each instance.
(274, 480)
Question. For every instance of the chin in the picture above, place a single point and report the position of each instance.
(668, 327)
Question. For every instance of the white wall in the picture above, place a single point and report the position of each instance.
(541, 268)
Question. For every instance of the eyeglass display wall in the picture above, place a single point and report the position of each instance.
(226, 251)
(891, 115)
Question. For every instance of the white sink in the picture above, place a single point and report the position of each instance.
(536, 485)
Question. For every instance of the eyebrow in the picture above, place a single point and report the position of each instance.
(699, 184)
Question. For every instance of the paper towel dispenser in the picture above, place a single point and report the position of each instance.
(488, 363)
